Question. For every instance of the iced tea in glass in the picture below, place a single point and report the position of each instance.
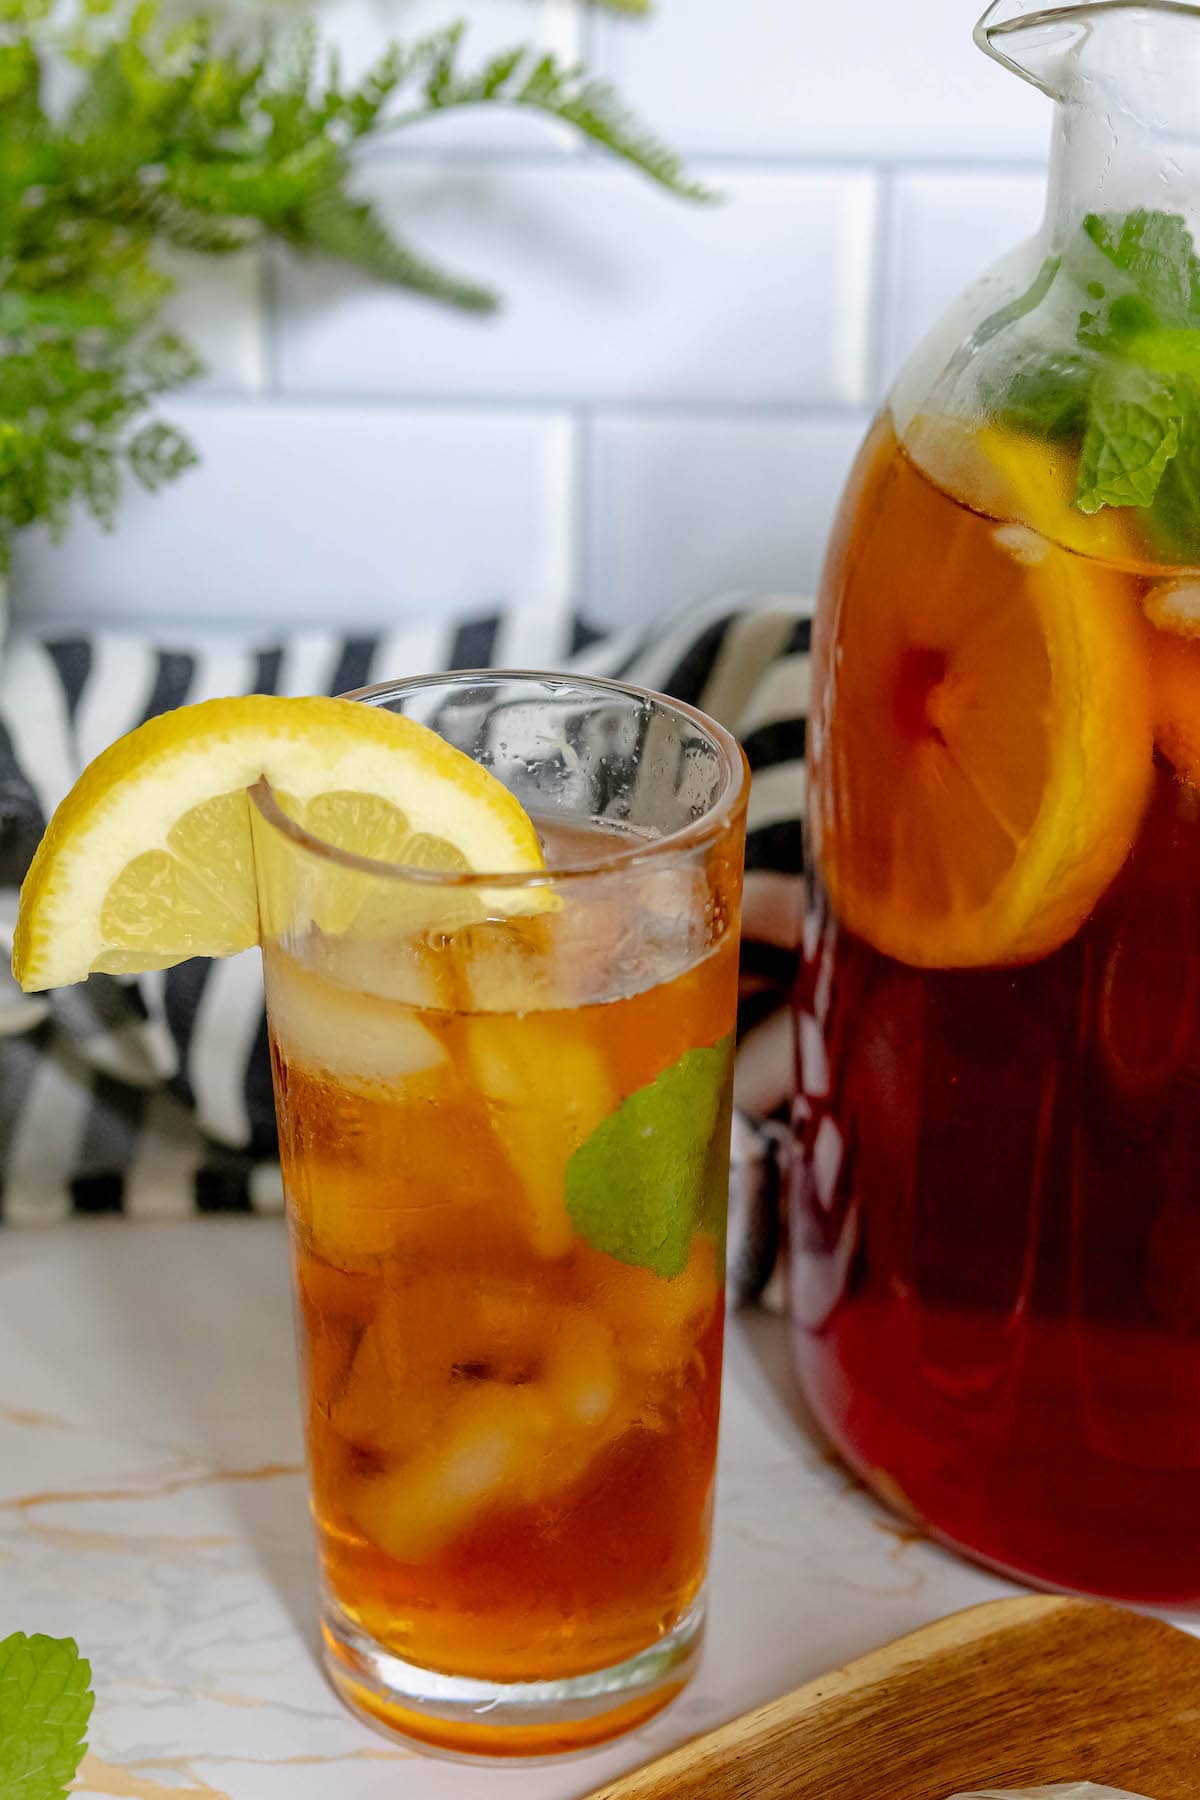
(504, 1110)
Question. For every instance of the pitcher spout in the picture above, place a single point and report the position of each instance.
(1137, 54)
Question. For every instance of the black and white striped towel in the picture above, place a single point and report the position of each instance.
(153, 1096)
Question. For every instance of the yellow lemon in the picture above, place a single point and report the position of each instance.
(149, 859)
(983, 739)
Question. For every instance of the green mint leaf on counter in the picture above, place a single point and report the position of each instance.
(656, 1171)
(1132, 434)
(45, 1704)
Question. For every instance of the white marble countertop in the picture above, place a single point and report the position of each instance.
(152, 1506)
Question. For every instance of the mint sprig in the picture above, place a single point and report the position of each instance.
(657, 1170)
(1156, 251)
(1126, 392)
(1175, 516)
(1132, 434)
(45, 1704)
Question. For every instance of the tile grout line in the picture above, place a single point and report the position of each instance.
(286, 399)
(766, 162)
(880, 299)
(591, 54)
(270, 347)
(583, 520)
(590, 50)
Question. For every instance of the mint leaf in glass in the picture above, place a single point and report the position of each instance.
(1132, 434)
(656, 1171)
(45, 1704)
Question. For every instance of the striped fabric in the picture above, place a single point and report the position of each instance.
(152, 1096)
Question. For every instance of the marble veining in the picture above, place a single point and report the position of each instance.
(153, 1506)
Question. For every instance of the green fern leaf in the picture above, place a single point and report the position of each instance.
(20, 74)
(100, 481)
(362, 107)
(58, 480)
(496, 75)
(15, 448)
(593, 108)
(290, 65)
(165, 361)
(25, 12)
(438, 55)
(159, 214)
(352, 231)
(542, 84)
(260, 187)
(158, 454)
(183, 131)
(57, 310)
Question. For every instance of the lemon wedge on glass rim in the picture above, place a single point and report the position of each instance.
(148, 860)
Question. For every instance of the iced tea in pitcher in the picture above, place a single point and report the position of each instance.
(504, 1129)
(996, 1271)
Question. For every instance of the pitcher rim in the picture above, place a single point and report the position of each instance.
(989, 28)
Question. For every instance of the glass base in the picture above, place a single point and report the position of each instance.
(495, 1718)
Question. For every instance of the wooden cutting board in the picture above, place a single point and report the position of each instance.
(1016, 1693)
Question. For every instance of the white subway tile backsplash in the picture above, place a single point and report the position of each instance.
(856, 77)
(612, 289)
(667, 403)
(361, 29)
(353, 515)
(682, 510)
(945, 231)
(217, 307)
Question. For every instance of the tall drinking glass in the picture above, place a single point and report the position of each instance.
(504, 1107)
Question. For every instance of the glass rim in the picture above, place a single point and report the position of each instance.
(712, 823)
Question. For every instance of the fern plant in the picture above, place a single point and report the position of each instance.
(176, 132)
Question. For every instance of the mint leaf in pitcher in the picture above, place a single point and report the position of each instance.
(655, 1171)
(1156, 251)
(1127, 391)
(1173, 522)
(1048, 397)
(1132, 434)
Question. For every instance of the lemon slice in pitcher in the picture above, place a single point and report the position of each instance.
(148, 860)
(985, 748)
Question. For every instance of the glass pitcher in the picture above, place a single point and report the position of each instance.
(996, 1210)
